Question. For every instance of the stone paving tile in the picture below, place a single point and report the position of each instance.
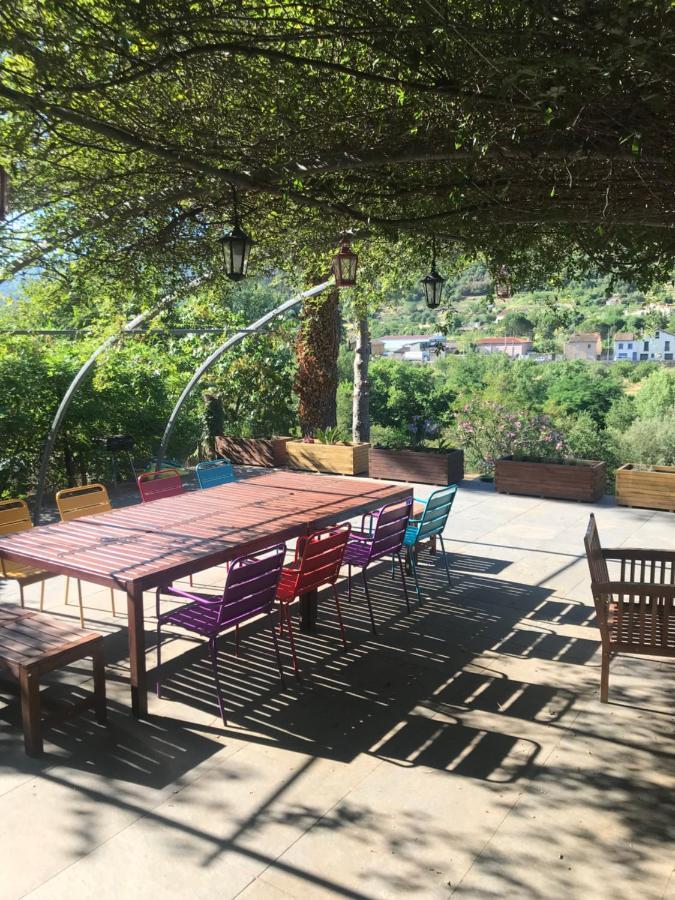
(461, 750)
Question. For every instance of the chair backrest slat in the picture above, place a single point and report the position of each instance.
(322, 557)
(14, 516)
(87, 500)
(390, 523)
(214, 472)
(156, 485)
(436, 512)
(251, 584)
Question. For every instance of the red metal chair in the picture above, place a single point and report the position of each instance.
(317, 563)
(156, 485)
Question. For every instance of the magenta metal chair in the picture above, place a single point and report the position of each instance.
(383, 537)
(250, 589)
(163, 483)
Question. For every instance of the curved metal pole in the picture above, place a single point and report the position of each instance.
(74, 385)
(230, 342)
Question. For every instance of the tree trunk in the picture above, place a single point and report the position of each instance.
(316, 348)
(361, 396)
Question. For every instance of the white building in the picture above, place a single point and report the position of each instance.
(659, 347)
(413, 347)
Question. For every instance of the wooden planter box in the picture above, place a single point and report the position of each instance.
(417, 466)
(650, 489)
(583, 481)
(343, 459)
(253, 451)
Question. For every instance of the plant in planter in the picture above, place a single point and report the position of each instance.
(648, 487)
(527, 454)
(410, 456)
(326, 451)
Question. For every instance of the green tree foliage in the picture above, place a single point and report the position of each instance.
(657, 394)
(400, 391)
(582, 387)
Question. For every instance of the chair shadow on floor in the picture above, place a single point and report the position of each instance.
(377, 697)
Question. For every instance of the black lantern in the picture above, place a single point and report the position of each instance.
(345, 262)
(236, 247)
(433, 283)
(4, 194)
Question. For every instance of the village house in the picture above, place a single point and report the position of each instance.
(584, 345)
(512, 346)
(659, 347)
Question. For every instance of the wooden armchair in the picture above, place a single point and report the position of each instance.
(635, 605)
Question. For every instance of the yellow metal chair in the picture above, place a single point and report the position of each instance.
(15, 517)
(75, 503)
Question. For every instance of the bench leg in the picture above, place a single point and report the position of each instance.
(100, 707)
(30, 712)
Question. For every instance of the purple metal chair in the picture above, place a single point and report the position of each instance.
(250, 589)
(384, 536)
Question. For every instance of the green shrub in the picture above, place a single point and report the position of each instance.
(649, 441)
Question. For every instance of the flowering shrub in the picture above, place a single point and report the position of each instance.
(489, 431)
(421, 430)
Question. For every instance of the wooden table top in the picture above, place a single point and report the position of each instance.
(149, 544)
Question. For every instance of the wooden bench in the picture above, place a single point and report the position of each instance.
(32, 644)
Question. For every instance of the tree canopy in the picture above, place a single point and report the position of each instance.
(536, 133)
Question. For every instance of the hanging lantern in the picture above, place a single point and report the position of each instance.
(433, 282)
(4, 194)
(345, 262)
(236, 247)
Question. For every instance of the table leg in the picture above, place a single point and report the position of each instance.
(30, 711)
(99, 682)
(139, 686)
(309, 611)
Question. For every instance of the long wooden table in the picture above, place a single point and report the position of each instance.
(141, 547)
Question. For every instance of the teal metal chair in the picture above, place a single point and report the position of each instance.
(214, 472)
(429, 525)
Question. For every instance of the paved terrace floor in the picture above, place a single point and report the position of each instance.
(462, 751)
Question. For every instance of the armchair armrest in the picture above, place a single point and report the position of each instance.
(172, 591)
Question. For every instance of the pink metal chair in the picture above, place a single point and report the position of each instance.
(249, 591)
(383, 537)
(317, 563)
(156, 485)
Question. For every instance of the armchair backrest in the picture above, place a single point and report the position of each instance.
(156, 485)
(214, 472)
(251, 584)
(436, 512)
(87, 500)
(596, 561)
(321, 558)
(389, 525)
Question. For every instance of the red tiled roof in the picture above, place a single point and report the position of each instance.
(624, 336)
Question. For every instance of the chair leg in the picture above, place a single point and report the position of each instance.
(112, 600)
(280, 664)
(370, 605)
(413, 569)
(79, 600)
(213, 648)
(604, 677)
(42, 595)
(445, 558)
(236, 640)
(405, 586)
(67, 588)
(289, 623)
(393, 566)
(349, 583)
(158, 681)
(339, 615)
(21, 597)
